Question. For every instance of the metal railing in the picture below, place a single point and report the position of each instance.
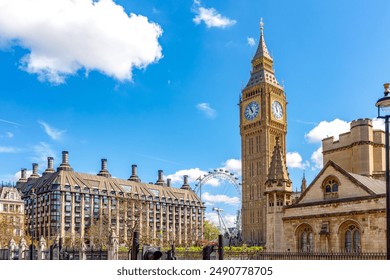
(320, 256)
(288, 256)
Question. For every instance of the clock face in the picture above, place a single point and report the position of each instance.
(277, 110)
(252, 110)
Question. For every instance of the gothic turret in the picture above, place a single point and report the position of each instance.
(279, 194)
(303, 185)
(277, 172)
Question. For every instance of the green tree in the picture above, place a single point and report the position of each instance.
(210, 231)
(6, 230)
(99, 231)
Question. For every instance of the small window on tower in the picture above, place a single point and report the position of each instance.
(330, 187)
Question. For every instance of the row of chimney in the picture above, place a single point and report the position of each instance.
(103, 172)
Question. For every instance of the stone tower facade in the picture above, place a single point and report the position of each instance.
(359, 151)
(278, 194)
(262, 121)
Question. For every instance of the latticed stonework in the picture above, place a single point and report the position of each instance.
(82, 206)
(262, 120)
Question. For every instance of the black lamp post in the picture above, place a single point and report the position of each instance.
(33, 196)
(383, 105)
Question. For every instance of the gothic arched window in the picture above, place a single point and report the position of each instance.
(306, 239)
(330, 187)
(352, 239)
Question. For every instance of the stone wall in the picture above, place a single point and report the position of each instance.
(368, 215)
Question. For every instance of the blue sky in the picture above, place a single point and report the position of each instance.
(156, 83)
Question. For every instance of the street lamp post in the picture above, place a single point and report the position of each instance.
(33, 196)
(383, 105)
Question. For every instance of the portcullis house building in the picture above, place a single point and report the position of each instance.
(79, 206)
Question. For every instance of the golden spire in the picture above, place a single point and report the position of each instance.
(262, 50)
(261, 27)
(262, 64)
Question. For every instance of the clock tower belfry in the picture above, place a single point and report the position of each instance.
(262, 121)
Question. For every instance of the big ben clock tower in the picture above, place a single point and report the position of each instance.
(262, 122)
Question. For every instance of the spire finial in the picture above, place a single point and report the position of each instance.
(261, 26)
(303, 185)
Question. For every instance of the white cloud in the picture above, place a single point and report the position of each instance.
(207, 110)
(54, 133)
(6, 121)
(65, 36)
(7, 135)
(193, 174)
(233, 165)
(41, 152)
(9, 150)
(317, 158)
(378, 124)
(327, 129)
(251, 41)
(210, 17)
(155, 10)
(212, 217)
(294, 160)
(220, 198)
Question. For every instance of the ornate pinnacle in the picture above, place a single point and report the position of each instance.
(261, 26)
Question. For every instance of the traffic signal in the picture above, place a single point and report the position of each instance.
(151, 253)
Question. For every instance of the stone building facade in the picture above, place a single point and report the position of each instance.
(262, 121)
(339, 211)
(76, 205)
(360, 151)
(11, 212)
(343, 209)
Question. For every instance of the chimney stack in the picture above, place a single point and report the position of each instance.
(185, 186)
(104, 164)
(65, 162)
(104, 172)
(134, 177)
(23, 175)
(65, 157)
(34, 171)
(50, 166)
(168, 182)
(50, 161)
(160, 180)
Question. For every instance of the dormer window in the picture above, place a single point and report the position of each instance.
(330, 187)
